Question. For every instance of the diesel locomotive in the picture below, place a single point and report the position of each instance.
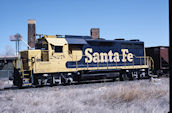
(66, 59)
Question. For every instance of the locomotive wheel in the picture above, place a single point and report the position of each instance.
(19, 82)
(138, 75)
(51, 82)
(42, 83)
(66, 79)
(63, 80)
(123, 77)
(69, 82)
(120, 77)
(78, 79)
(129, 76)
(35, 83)
(138, 78)
(159, 74)
(16, 78)
(114, 79)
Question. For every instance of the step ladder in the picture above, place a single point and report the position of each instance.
(26, 78)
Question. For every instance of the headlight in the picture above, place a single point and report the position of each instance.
(33, 59)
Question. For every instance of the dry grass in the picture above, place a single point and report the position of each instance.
(113, 97)
(132, 92)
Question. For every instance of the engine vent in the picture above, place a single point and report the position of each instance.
(119, 39)
(135, 40)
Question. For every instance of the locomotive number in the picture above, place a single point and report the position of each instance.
(60, 56)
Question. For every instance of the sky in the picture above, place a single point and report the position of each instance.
(146, 20)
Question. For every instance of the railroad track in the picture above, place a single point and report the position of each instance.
(76, 83)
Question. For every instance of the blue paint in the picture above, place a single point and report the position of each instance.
(75, 41)
(134, 47)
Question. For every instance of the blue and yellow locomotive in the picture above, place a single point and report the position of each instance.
(65, 59)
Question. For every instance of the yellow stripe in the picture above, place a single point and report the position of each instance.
(100, 68)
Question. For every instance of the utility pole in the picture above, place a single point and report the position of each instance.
(17, 38)
(170, 49)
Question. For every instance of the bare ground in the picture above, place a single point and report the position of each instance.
(139, 96)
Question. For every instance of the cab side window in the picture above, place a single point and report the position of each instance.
(58, 49)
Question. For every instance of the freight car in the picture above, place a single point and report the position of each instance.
(159, 55)
(65, 59)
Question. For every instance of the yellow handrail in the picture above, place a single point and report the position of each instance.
(21, 68)
(145, 59)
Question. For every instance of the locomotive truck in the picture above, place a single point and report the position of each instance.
(66, 59)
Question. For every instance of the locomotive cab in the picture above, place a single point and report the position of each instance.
(48, 58)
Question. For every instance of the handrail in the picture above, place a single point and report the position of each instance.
(141, 59)
(151, 61)
(14, 63)
(70, 53)
(26, 43)
(21, 65)
(76, 63)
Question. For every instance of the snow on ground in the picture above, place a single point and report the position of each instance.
(5, 84)
(139, 96)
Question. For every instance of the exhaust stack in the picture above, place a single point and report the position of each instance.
(31, 33)
(94, 32)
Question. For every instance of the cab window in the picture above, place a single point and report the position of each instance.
(41, 44)
(44, 47)
(58, 49)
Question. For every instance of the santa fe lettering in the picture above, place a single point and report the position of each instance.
(107, 57)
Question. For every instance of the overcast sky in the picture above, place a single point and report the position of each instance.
(146, 20)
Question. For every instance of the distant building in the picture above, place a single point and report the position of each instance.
(6, 67)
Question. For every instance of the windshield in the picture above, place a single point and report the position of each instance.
(41, 44)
